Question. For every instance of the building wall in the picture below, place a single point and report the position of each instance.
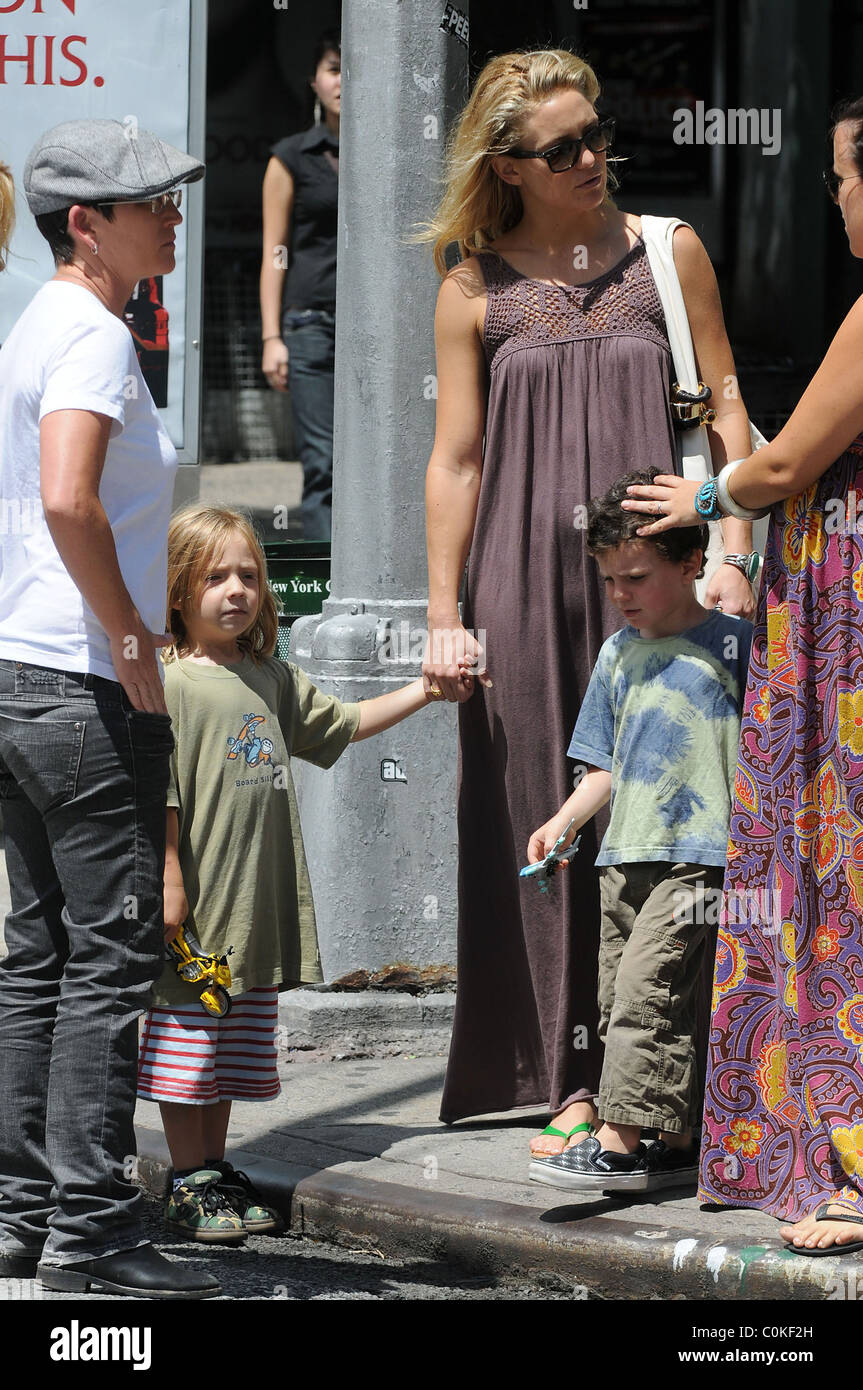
(777, 244)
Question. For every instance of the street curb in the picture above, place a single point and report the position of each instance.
(370, 1023)
(610, 1258)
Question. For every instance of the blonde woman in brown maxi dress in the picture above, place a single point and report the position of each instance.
(553, 379)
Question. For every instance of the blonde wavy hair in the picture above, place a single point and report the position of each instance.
(477, 206)
(7, 212)
(197, 535)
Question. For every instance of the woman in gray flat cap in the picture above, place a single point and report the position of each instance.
(86, 475)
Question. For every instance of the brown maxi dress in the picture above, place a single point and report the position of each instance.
(578, 394)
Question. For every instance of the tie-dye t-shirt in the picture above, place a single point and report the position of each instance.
(662, 715)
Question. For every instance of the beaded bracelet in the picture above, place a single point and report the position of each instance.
(705, 501)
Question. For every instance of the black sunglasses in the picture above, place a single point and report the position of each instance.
(565, 155)
(833, 182)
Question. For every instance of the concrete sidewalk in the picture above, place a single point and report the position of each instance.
(353, 1152)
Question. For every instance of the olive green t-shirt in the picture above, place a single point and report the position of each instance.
(241, 850)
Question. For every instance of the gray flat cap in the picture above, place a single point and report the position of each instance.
(102, 161)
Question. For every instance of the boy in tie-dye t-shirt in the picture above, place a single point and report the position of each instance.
(656, 736)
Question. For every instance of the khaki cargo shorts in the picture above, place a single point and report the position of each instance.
(658, 920)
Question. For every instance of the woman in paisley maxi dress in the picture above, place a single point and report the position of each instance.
(553, 379)
(783, 1118)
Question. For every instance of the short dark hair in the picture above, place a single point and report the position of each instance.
(609, 526)
(850, 109)
(54, 227)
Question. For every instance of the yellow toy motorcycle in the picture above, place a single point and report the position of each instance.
(194, 965)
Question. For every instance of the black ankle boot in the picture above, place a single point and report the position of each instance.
(142, 1273)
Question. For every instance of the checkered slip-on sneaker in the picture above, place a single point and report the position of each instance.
(590, 1168)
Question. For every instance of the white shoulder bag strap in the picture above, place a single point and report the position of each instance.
(693, 445)
(657, 232)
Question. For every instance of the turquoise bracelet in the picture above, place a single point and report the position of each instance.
(705, 501)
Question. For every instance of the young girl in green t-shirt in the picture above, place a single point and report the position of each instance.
(235, 870)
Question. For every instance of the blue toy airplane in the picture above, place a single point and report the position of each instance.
(552, 861)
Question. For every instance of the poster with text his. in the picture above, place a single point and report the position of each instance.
(63, 60)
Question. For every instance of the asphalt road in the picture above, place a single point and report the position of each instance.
(294, 1268)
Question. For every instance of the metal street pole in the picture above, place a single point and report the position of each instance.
(379, 827)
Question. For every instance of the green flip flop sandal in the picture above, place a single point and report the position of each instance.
(560, 1134)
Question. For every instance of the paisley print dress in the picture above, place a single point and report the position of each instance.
(783, 1120)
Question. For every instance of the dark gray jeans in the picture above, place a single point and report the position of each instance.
(83, 782)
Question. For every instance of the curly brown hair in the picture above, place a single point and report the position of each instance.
(609, 526)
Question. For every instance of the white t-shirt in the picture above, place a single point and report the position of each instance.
(68, 352)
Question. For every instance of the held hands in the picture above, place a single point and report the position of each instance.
(543, 840)
(274, 364)
(133, 654)
(453, 660)
(176, 908)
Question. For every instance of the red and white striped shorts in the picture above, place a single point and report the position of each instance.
(189, 1057)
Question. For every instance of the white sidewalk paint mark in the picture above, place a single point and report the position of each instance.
(715, 1259)
(681, 1250)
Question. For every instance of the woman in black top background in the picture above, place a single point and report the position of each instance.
(298, 314)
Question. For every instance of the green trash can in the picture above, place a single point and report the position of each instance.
(299, 574)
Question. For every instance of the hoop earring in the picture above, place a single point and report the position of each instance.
(317, 110)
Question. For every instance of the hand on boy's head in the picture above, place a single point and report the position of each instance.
(668, 499)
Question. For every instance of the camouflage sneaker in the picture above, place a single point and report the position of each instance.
(257, 1216)
(198, 1210)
